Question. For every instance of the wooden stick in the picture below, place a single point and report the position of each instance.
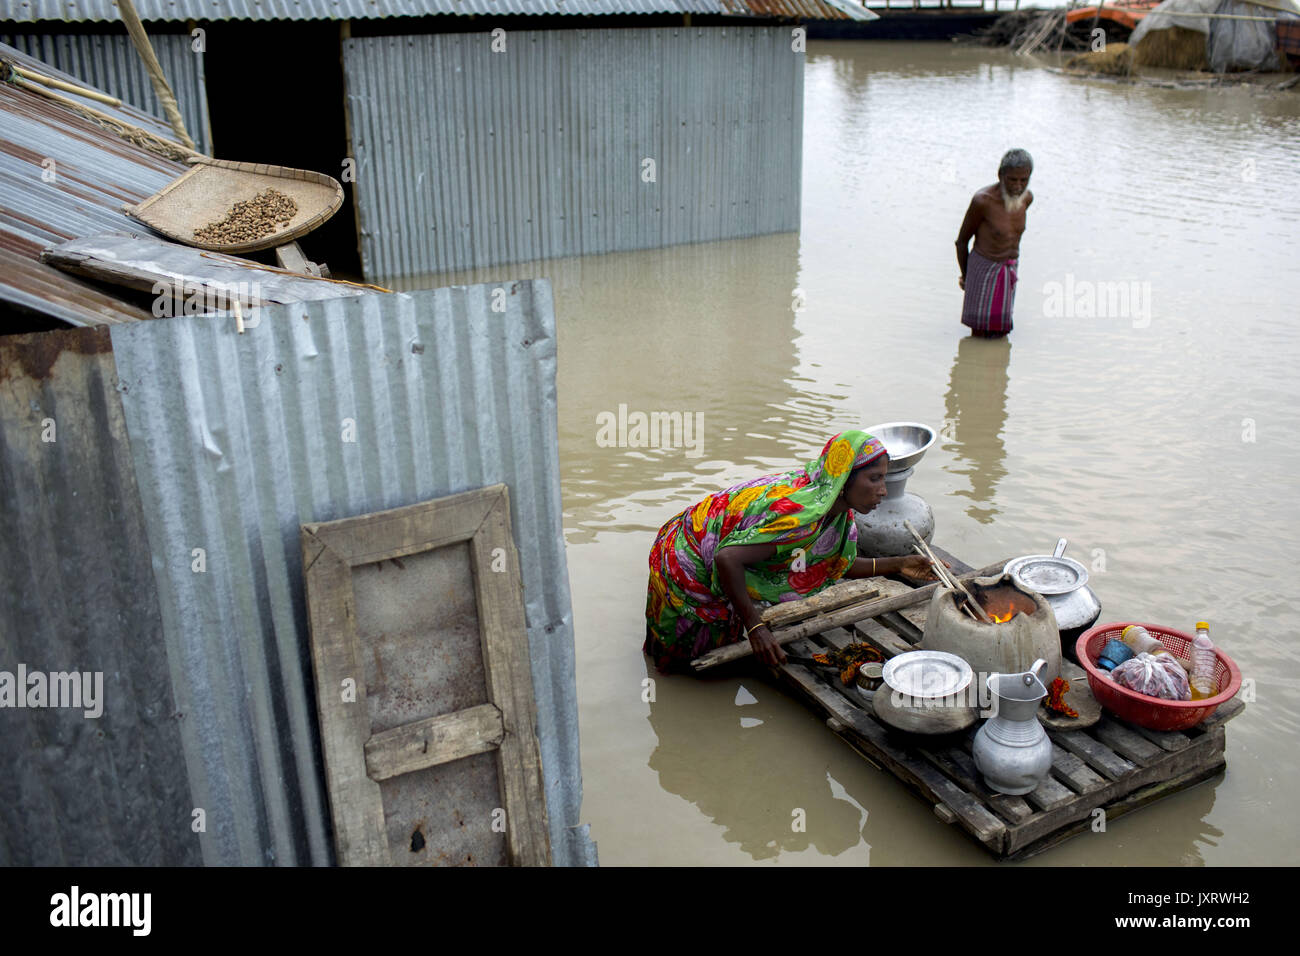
(980, 614)
(838, 618)
(836, 596)
(61, 85)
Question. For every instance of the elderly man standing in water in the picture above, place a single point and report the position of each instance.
(996, 218)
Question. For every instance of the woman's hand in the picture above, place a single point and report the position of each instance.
(766, 649)
(917, 568)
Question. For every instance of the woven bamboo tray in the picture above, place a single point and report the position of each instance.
(205, 193)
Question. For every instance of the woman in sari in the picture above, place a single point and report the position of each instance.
(772, 539)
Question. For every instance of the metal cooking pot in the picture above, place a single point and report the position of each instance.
(1063, 582)
(926, 692)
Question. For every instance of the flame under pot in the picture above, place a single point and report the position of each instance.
(1026, 632)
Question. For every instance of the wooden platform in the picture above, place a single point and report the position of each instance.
(1113, 765)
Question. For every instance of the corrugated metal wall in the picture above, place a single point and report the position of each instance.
(237, 440)
(228, 443)
(111, 64)
(468, 158)
(77, 594)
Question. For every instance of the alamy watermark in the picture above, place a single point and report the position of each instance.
(624, 429)
(1086, 299)
(80, 690)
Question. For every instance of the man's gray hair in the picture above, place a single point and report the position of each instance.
(1016, 159)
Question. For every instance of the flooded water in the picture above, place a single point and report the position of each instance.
(1145, 407)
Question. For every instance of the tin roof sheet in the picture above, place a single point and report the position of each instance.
(62, 177)
(180, 10)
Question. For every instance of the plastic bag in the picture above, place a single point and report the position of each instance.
(1159, 676)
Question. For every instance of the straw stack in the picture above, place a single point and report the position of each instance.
(1175, 48)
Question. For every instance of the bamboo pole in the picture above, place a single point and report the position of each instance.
(147, 140)
(164, 92)
(61, 85)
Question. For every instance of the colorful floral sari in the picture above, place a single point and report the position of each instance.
(687, 611)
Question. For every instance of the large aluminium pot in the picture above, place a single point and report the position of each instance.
(1064, 582)
(926, 692)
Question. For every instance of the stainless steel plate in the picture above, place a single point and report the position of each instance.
(1047, 574)
(927, 674)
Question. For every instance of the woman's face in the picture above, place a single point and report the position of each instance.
(866, 487)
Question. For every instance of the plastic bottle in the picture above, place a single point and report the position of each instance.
(1140, 639)
(1203, 659)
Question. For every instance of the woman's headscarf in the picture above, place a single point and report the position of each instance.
(790, 511)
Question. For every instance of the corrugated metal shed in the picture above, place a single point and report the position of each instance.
(542, 153)
(62, 176)
(239, 439)
(77, 593)
(174, 10)
(110, 63)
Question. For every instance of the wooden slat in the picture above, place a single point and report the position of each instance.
(836, 596)
(1050, 794)
(1114, 811)
(510, 684)
(904, 628)
(1195, 760)
(401, 531)
(958, 765)
(356, 806)
(435, 740)
(1225, 712)
(1069, 769)
(1093, 752)
(881, 638)
(1164, 739)
(1126, 743)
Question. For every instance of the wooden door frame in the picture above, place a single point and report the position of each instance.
(356, 760)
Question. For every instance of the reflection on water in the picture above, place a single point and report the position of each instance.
(711, 751)
(975, 413)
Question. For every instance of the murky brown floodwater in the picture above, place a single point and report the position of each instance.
(1123, 433)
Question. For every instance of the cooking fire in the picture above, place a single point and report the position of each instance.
(1002, 603)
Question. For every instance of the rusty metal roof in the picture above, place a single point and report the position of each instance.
(62, 177)
(28, 11)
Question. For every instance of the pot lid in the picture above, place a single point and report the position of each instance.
(927, 674)
(1047, 574)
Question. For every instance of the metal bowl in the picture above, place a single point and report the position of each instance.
(906, 442)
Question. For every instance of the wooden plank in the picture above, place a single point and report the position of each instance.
(356, 806)
(1126, 743)
(838, 638)
(333, 555)
(836, 596)
(881, 638)
(864, 734)
(904, 628)
(1204, 753)
(510, 682)
(397, 532)
(434, 740)
(1070, 770)
(958, 765)
(1223, 713)
(1093, 752)
(1114, 811)
(1164, 739)
(822, 622)
(1050, 794)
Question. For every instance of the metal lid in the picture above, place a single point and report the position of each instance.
(927, 674)
(1047, 574)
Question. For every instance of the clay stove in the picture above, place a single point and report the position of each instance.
(1024, 629)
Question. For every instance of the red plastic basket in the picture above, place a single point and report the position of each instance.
(1153, 712)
